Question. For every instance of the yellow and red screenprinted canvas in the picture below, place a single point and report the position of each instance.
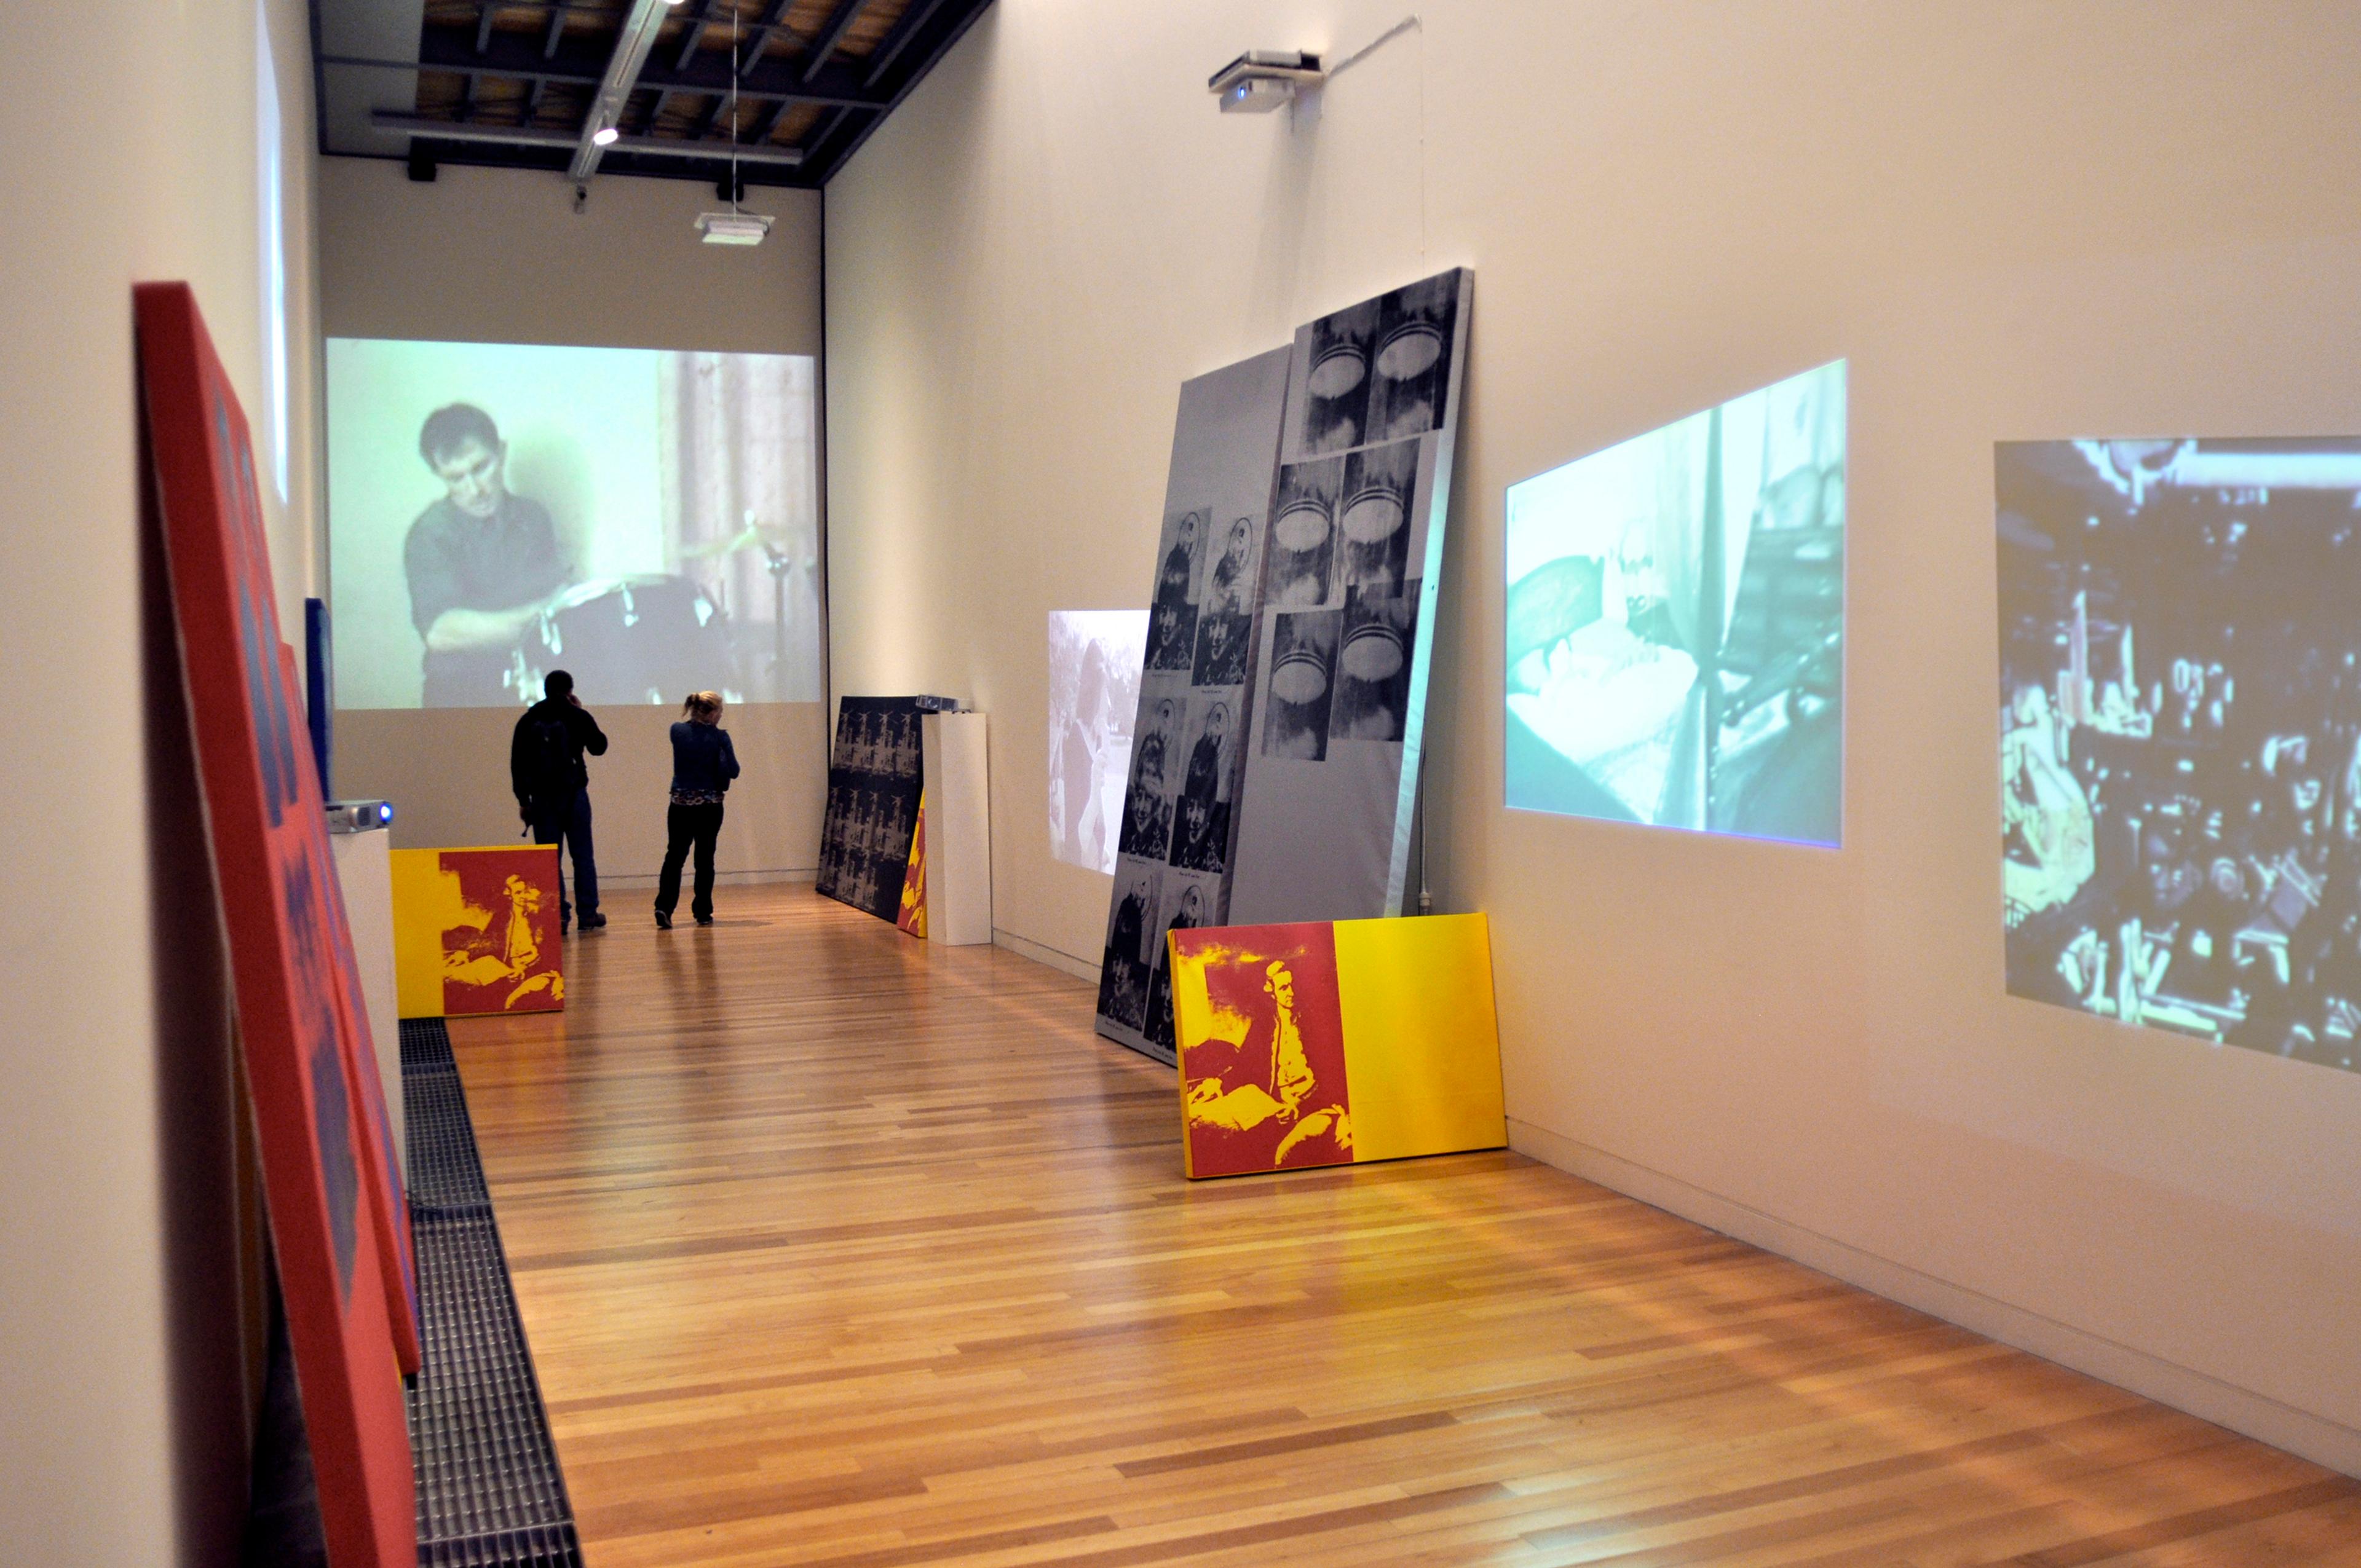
(475, 931)
(913, 916)
(1335, 1043)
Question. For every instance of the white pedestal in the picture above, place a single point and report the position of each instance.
(366, 875)
(959, 830)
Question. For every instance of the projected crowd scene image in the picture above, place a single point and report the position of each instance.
(647, 521)
(1095, 658)
(1676, 622)
(2181, 735)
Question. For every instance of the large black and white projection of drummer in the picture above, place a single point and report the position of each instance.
(2181, 735)
(1676, 622)
(645, 520)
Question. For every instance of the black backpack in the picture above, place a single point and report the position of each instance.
(549, 754)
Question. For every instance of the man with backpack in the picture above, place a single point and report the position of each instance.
(553, 787)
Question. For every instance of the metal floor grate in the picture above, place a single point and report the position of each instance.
(489, 1492)
(445, 1176)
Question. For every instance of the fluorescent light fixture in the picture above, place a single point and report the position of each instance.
(605, 136)
(733, 228)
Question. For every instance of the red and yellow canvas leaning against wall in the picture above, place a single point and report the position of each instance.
(475, 931)
(1335, 1043)
(913, 917)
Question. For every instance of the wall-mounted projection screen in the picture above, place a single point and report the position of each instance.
(1095, 658)
(2181, 735)
(647, 521)
(1676, 622)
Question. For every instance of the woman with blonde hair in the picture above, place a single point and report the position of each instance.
(703, 764)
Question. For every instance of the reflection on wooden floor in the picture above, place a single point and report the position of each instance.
(837, 1248)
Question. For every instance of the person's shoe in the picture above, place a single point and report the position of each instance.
(593, 922)
(663, 920)
(705, 920)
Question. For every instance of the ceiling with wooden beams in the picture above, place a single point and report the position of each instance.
(517, 83)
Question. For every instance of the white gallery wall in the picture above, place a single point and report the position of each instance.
(127, 1356)
(500, 256)
(2014, 221)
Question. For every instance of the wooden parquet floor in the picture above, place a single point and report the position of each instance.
(838, 1249)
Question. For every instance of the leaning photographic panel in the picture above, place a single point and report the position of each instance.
(875, 776)
(2181, 735)
(1275, 753)
(1175, 824)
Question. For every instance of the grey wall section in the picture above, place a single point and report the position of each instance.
(499, 256)
(122, 1361)
(447, 772)
(2015, 220)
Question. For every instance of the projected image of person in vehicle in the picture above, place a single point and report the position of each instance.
(1676, 622)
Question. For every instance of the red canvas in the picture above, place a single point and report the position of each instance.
(290, 973)
(374, 1130)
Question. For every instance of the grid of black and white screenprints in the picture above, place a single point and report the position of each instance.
(1273, 765)
(2181, 735)
(1354, 541)
(873, 780)
(1172, 844)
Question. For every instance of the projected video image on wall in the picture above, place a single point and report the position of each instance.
(2181, 735)
(1095, 657)
(1676, 622)
(646, 520)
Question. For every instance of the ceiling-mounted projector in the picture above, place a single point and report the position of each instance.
(1261, 80)
(733, 228)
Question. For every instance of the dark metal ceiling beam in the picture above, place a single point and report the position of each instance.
(445, 48)
(846, 13)
(773, 18)
(692, 35)
(426, 127)
(889, 48)
(925, 27)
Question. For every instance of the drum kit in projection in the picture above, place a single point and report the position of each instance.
(653, 637)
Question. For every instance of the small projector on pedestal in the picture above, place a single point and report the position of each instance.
(733, 228)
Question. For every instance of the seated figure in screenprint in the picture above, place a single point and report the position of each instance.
(483, 565)
(1275, 1094)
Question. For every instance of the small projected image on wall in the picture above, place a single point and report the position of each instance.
(2181, 735)
(1676, 622)
(646, 520)
(1096, 656)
